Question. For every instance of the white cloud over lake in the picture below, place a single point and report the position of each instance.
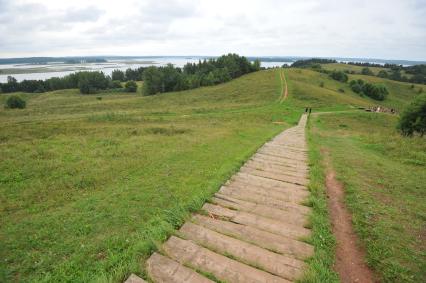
(347, 28)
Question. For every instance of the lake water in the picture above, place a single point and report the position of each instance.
(42, 72)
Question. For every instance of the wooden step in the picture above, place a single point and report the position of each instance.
(288, 196)
(222, 267)
(265, 200)
(262, 181)
(277, 264)
(275, 176)
(244, 183)
(134, 279)
(259, 209)
(259, 222)
(261, 238)
(165, 270)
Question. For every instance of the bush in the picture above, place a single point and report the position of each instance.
(341, 90)
(131, 86)
(15, 102)
(115, 84)
(413, 119)
(374, 91)
(339, 76)
(366, 71)
(383, 74)
(321, 84)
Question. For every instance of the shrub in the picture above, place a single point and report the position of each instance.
(366, 71)
(413, 119)
(383, 74)
(339, 76)
(115, 84)
(131, 86)
(341, 90)
(377, 91)
(321, 84)
(15, 102)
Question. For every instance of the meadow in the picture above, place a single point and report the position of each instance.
(91, 184)
(383, 173)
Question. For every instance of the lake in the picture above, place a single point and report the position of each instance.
(46, 71)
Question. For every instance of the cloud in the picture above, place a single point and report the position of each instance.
(352, 28)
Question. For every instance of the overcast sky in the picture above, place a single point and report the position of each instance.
(390, 29)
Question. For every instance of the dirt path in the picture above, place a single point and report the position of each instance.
(284, 87)
(350, 264)
(252, 229)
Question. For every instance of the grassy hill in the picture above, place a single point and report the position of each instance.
(383, 173)
(89, 187)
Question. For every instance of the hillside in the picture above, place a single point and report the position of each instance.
(91, 184)
(87, 186)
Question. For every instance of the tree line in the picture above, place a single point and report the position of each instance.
(389, 71)
(87, 82)
(156, 79)
(207, 72)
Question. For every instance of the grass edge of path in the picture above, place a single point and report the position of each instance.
(320, 265)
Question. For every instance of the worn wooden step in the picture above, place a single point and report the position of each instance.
(165, 270)
(134, 279)
(267, 183)
(277, 171)
(292, 149)
(261, 238)
(222, 267)
(275, 176)
(294, 158)
(280, 160)
(259, 209)
(277, 167)
(259, 180)
(244, 191)
(288, 195)
(277, 264)
(265, 200)
(299, 194)
(259, 222)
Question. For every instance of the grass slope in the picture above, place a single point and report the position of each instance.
(88, 187)
(383, 174)
(384, 179)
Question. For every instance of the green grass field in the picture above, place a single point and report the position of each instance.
(89, 188)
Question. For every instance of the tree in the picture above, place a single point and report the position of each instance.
(413, 119)
(118, 75)
(92, 82)
(131, 86)
(15, 102)
(153, 81)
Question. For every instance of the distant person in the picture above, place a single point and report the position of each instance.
(310, 110)
(306, 109)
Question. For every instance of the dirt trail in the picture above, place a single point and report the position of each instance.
(350, 258)
(252, 229)
(284, 93)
